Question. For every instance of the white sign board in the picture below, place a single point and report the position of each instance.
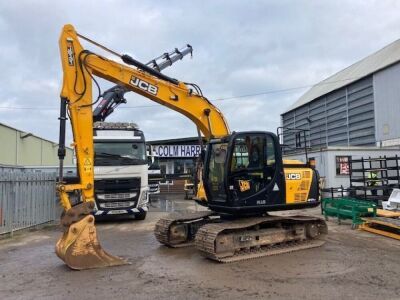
(176, 150)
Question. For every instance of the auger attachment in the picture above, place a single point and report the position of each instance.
(79, 247)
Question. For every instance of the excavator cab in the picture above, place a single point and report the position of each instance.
(244, 175)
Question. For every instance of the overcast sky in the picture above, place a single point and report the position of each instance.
(240, 48)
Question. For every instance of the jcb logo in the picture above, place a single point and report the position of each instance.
(143, 85)
(293, 176)
(244, 185)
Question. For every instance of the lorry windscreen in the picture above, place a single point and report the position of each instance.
(119, 153)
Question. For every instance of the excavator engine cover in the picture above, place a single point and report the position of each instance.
(79, 247)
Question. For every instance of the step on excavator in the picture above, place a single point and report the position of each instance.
(240, 176)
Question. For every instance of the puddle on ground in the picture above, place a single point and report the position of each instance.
(164, 203)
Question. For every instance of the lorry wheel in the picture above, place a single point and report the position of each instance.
(141, 216)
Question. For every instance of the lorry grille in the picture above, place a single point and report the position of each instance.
(116, 196)
(117, 184)
(119, 190)
(117, 204)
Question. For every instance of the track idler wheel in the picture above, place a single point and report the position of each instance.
(315, 229)
(80, 249)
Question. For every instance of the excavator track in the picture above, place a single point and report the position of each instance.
(249, 238)
(178, 230)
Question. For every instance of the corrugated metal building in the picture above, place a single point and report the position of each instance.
(352, 114)
(20, 148)
(358, 106)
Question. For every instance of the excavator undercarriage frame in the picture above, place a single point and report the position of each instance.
(254, 237)
(227, 240)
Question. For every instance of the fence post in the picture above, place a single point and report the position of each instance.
(13, 200)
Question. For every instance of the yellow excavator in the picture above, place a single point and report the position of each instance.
(241, 175)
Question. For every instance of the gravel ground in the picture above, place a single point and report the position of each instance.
(352, 264)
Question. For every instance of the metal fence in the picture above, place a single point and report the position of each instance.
(27, 198)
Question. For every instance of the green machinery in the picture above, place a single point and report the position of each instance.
(343, 207)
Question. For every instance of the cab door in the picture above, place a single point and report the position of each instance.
(255, 173)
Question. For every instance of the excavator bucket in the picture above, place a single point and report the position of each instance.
(80, 249)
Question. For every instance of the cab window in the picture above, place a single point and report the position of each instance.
(269, 154)
(253, 163)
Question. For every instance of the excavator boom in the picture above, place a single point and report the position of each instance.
(79, 247)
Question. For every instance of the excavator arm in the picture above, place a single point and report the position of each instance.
(79, 247)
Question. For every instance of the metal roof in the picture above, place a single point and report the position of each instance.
(377, 61)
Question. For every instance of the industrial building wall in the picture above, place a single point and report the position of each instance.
(387, 105)
(8, 138)
(17, 150)
(344, 117)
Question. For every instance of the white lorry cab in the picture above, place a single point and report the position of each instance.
(120, 172)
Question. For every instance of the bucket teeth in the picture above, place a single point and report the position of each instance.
(80, 249)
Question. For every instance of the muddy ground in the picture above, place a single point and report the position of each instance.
(351, 265)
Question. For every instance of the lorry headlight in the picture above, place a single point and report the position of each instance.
(144, 199)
